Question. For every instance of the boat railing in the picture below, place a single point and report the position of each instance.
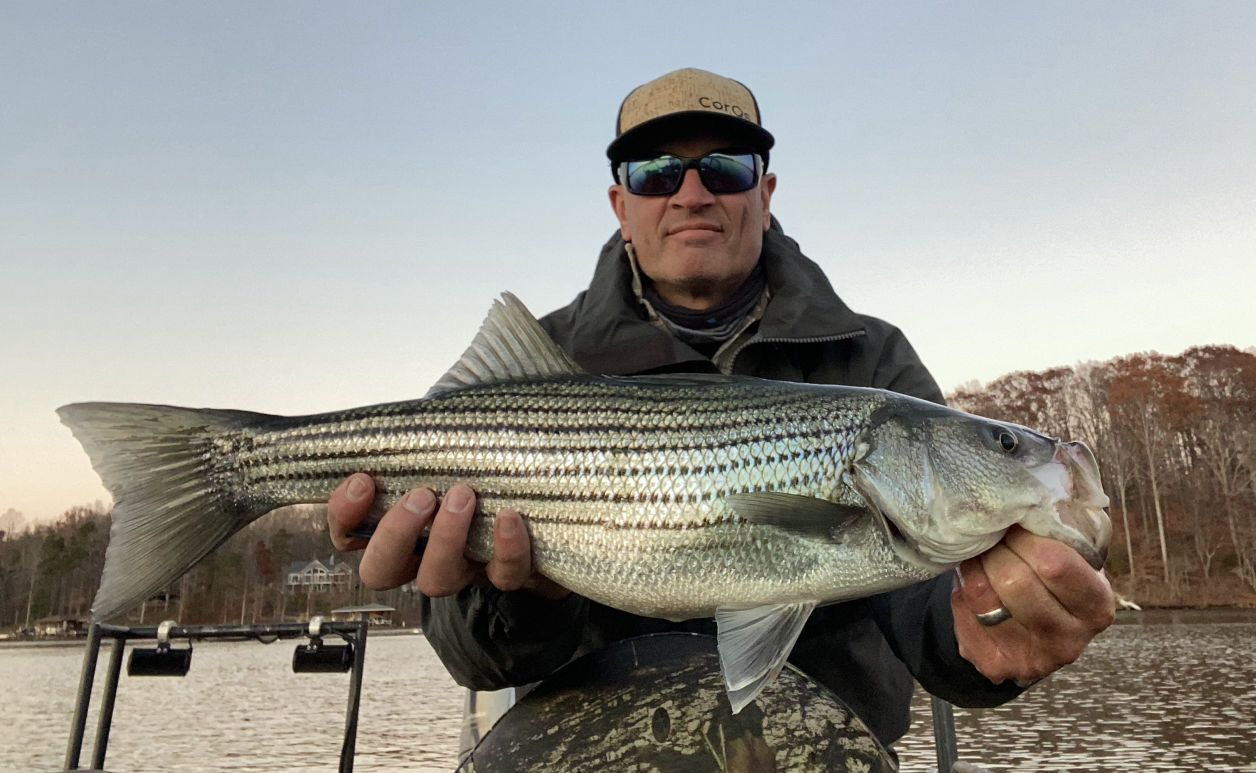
(314, 656)
(311, 657)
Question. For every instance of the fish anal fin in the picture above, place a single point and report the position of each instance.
(754, 645)
(510, 346)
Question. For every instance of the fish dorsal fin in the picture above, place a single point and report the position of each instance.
(511, 346)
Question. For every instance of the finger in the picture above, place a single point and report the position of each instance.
(347, 507)
(445, 570)
(974, 587)
(1058, 604)
(1021, 591)
(511, 564)
(1010, 650)
(389, 560)
(1082, 591)
(988, 649)
(1046, 634)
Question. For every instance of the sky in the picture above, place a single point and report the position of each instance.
(293, 207)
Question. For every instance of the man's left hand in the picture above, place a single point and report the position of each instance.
(1058, 603)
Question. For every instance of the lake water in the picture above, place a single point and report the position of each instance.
(1157, 692)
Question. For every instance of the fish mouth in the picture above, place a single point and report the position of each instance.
(1087, 511)
(1081, 522)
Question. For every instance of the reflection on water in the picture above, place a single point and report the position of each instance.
(1157, 692)
(240, 708)
(1162, 693)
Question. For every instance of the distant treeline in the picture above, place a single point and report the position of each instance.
(51, 572)
(1175, 438)
(1176, 442)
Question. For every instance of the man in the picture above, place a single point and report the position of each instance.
(700, 277)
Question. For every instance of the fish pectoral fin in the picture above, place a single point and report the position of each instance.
(511, 346)
(754, 644)
(797, 514)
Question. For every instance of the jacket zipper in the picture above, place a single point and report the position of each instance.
(732, 360)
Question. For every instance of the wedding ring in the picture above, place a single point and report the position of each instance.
(993, 617)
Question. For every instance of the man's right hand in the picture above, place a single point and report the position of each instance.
(443, 569)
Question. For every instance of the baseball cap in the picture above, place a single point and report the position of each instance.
(687, 100)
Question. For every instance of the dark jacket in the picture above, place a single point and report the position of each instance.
(866, 650)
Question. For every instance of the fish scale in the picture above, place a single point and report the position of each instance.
(596, 445)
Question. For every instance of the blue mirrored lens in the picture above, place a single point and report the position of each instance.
(655, 177)
(719, 172)
(722, 173)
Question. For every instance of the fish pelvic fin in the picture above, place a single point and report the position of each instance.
(754, 645)
(510, 346)
(170, 508)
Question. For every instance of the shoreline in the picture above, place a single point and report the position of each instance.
(1216, 615)
(106, 642)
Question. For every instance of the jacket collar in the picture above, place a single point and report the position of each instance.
(613, 335)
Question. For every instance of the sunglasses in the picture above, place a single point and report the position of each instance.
(719, 172)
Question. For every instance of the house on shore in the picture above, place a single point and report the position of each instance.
(60, 626)
(317, 576)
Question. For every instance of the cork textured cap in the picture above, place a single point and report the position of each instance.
(687, 100)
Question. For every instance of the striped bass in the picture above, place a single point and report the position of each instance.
(675, 496)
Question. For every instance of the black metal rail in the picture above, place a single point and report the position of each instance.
(313, 657)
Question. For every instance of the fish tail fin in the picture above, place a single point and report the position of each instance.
(171, 507)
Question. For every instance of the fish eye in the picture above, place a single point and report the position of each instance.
(1006, 439)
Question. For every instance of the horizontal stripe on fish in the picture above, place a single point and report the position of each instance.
(522, 459)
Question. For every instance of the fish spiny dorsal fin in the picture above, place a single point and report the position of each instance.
(511, 346)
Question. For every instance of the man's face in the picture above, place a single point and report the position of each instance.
(698, 247)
